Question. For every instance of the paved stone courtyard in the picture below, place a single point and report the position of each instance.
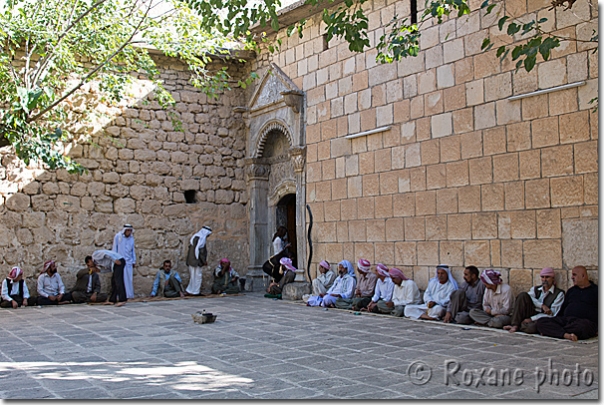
(264, 349)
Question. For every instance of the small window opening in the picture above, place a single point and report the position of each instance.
(325, 43)
(191, 196)
(413, 11)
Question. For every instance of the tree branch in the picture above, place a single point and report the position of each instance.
(93, 72)
(50, 55)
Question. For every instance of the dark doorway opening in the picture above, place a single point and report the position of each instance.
(286, 216)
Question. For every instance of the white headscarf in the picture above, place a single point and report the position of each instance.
(203, 233)
(125, 228)
(348, 266)
(448, 270)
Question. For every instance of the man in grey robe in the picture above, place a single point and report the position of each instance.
(467, 297)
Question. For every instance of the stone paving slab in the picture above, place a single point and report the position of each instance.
(264, 349)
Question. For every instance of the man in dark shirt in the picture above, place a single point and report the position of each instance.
(468, 297)
(578, 317)
(88, 284)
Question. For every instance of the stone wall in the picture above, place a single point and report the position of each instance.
(139, 168)
(463, 176)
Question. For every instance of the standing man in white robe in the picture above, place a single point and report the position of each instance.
(436, 297)
(123, 244)
(197, 257)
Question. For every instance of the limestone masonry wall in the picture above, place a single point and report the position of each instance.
(464, 176)
(139, 168)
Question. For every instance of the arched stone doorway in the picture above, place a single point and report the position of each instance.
(275, 172)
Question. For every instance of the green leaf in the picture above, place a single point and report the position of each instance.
(529, 63)
(500, 51)
(502, 21)
(485, 43)
(513, 28)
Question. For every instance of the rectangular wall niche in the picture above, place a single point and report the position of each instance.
(191, 196)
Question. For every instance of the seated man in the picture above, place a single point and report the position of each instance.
(436, 296)
(167, 282)
(51, 290)
(14, 290)
(578, 317)
(405, 293)
(384, 288)
(496, 303)
(88, 284)
(226, 279)
(469, 296)
(544, 300)
(364, 290)
(324, 279)
(288, 274)
(342, 287)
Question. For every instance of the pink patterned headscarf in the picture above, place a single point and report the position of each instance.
(398, 273)
(490, 276)
(48, 264)
(325, 264)
(382, 269)
(364, 265)
(15, 272)
(547, 271)
(287, 263)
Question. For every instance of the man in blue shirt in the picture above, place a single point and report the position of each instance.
(167, 282)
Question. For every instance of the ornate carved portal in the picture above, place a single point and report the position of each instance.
(275, 171)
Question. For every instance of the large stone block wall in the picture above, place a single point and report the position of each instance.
(139, 167)
(464, 176)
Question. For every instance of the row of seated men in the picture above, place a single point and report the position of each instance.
(483, 298)
(87, 288)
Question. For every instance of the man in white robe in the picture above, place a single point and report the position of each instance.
(436, 297)
(324, 279)
(343, 287)
(123, 244)
(197, 257)
(405, 293)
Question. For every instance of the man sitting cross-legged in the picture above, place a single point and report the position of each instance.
(383, 291)
(343, 287)
(364, 290)
(14, 290)
(51, 290)
(544, 300)
(167, 282)
(436, 297)
(226, 279)
(88, 284)
(578, 317)
(467, 297)
(496, 303)
(324, 279)
(405, 293)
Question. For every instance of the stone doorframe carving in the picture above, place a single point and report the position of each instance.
(277, 104)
